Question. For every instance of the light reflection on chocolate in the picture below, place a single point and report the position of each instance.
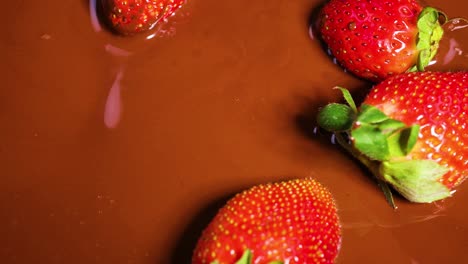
(453, 50)
(93, 15)
(113, 108)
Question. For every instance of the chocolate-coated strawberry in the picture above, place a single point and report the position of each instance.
(288, 222)
(410, 131)
(127, 17)
(375, 39)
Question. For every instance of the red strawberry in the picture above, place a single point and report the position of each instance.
(128, 17)
(410, 132)
(288, 222)
(375, 39)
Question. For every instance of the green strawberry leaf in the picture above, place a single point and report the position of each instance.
(402, 141)
(429, 36)
(370, 141)
(410, 137)
(336, 117)
(387, 192)
(389, 126)
(247, 259)
(416, 180)
(394, 145)
(348, 98)
(371, 115)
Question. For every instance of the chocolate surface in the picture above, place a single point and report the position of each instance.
(120, 150)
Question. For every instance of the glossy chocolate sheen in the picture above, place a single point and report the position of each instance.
(120, 150)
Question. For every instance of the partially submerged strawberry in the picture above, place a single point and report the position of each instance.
(288, 222)
(127, 17)
(410, 132)
(376, 39)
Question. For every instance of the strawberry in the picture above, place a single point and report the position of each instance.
(375, 39)
(288, 222)
(128, 17)
(410, 132)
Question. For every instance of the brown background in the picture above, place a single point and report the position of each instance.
(226, 103)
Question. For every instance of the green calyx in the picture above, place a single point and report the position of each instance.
(381, 138)
(430, 33)
(416, 180)
(383, 145)
(247, 259)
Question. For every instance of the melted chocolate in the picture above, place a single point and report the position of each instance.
(119, 150)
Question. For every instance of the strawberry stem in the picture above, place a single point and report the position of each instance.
(372, 166)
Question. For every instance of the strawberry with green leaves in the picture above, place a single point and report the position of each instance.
(376, 39)
(288, 222)
(410, 132)
(128, 17)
